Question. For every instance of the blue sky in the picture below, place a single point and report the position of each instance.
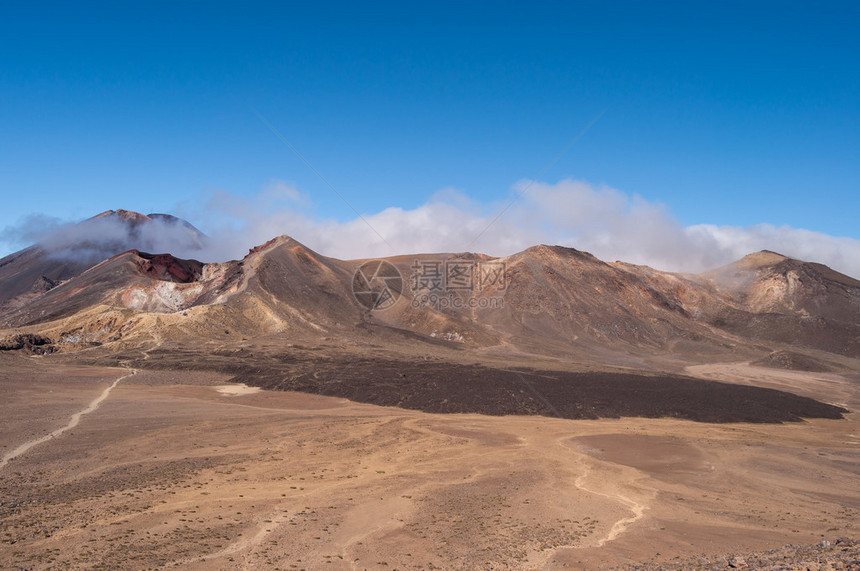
(728, 114)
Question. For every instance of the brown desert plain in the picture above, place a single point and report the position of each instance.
(162, 413)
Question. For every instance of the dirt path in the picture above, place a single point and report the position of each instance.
(73, 422)
(621, 525)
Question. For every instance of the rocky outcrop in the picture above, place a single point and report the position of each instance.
(29, 342)
(166, 267)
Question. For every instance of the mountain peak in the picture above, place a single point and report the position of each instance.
(761, 259)
(281, 240)
(124, 215)
(135, 218)
(561, 254)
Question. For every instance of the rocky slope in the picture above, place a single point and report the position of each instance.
(69, 251)
(547, 300)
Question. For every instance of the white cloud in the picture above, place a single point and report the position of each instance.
(732, 242)
(609, 223)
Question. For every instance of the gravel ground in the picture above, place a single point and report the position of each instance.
(828, 555)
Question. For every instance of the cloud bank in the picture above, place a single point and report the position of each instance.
(609, 223)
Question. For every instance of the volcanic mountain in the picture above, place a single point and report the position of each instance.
(68, 251)
(287, 317)
(551, 297)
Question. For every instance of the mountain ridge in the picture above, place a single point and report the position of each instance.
(554, 301)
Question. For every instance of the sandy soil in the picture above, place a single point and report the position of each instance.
(236, 390)
(162, 473)
(833, 388)
(73, 422)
